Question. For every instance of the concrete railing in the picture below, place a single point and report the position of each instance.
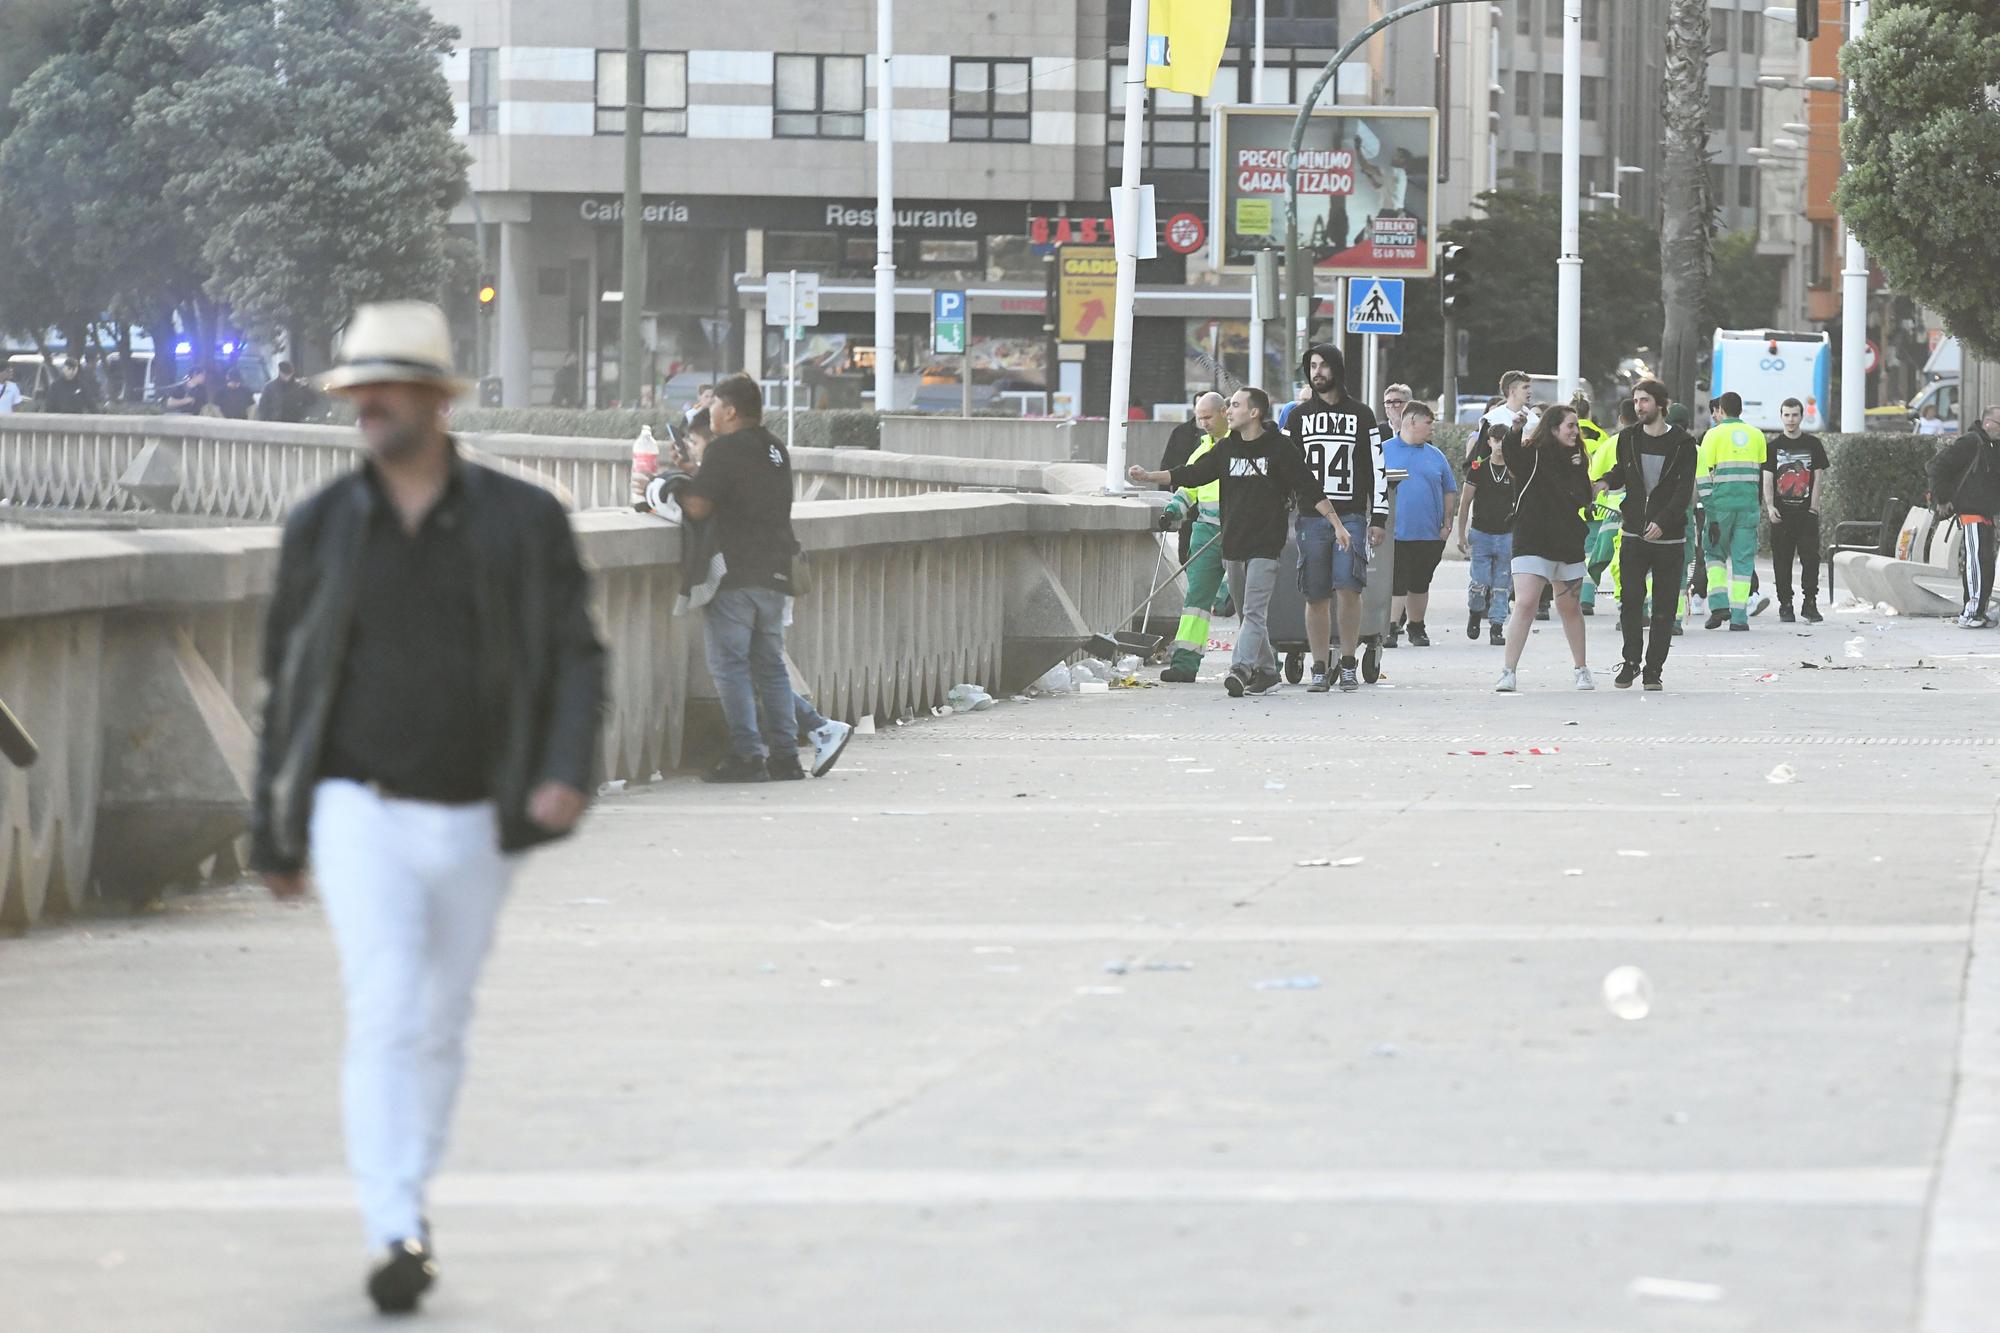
(1040, 440)
(252, 471)
(134, 657)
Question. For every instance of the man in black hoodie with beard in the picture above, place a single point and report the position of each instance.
(1335, 433)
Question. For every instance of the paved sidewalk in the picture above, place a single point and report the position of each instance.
(970, 1035)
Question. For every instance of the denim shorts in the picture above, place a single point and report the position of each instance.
(1323, 566)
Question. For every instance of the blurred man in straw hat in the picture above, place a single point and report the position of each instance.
(435, 687)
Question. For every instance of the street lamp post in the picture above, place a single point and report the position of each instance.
(1127, 238)
(1298, 273)
(1569, 266)
(632, 255)
(885, 212)
(1854, 296)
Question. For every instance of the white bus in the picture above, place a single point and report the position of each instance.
(1765, 367)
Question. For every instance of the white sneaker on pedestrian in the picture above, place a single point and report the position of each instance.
(1583, 680)
(1506, 685)
(828, 742)
(1760, 604)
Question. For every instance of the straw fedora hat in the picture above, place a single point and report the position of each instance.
(396, 342)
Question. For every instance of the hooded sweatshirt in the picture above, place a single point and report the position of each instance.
(1340, 445)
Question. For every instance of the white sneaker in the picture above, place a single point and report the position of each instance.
(828, 742)
(1506, 685)
(1583, 680)
(1760, 604)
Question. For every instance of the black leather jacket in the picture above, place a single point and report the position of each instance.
(542, 667)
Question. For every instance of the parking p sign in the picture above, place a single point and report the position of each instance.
(948, 322)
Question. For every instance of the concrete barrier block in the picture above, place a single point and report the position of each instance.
(178, 760)
(154, 478)
(1042, 624)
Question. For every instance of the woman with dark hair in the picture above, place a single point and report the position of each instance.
(1551, 490)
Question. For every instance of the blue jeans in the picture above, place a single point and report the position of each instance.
(745, 630)
(808, 717)
(1492, 575)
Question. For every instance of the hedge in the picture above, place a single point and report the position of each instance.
(838, 428)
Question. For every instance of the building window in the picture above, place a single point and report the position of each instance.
(1752, 19)
(1524, 95)
(482, 111)
(1552, 173)
(819, 97)
(989, 100)
(1552, 95)
(1746, 188)
(1718, 29)
(1718, 110)
(1552, 25)
(1752, 112)
(1593, 20)
(1178, 129)
(1593, 94)
(663, 97)
(1524, 17)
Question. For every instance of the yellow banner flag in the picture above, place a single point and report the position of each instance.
(1184, 44)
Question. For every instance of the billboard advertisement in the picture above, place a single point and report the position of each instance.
(1367, 188)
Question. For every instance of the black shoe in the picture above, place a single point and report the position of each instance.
(1785, 612)
(1651, 681)
(401, 1279)
(1349, 682)
(1321, 681)
(1740, 626)
(1716, 620)
(749, 768)
(1262, 683)
(1679, 629)
(1227, 611)
(1394, 640)
(1419, 636)
(1542, 613)
(1497, 636)
(1590, 608)
(1810, 612)
(1627, 673)
(1234, 682)
(1177, 676)
(784, 768)
(1472, 626)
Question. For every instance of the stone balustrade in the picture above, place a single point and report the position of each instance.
(133, 657)
(218, 470)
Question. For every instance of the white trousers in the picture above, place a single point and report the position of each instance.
(413, 891)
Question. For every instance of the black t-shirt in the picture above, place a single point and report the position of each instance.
(1260, 479)
(747, 476)
(1795, 466)
(1492, 491)
(1338, 441)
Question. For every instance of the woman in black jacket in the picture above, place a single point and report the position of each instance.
(1551, 492)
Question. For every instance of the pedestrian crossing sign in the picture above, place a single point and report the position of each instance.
(1375, 305)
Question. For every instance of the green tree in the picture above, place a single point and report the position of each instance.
(81, 232)
(1511, 252)
(312, 149)
(1746, 286)
(1923, 156)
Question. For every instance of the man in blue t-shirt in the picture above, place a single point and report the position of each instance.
(1425, 501)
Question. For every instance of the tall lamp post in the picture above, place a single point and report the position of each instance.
(1298, 273)
(885, 212)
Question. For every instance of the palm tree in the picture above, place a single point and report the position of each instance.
(1686, 228)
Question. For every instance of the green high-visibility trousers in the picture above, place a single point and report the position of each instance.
(1204, 582)
(1732, 559)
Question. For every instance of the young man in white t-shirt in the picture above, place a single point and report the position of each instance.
(1515, 387)
(10, 392)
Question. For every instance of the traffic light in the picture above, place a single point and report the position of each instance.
(488, 294)
(1808, 19)
(1453, 281)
